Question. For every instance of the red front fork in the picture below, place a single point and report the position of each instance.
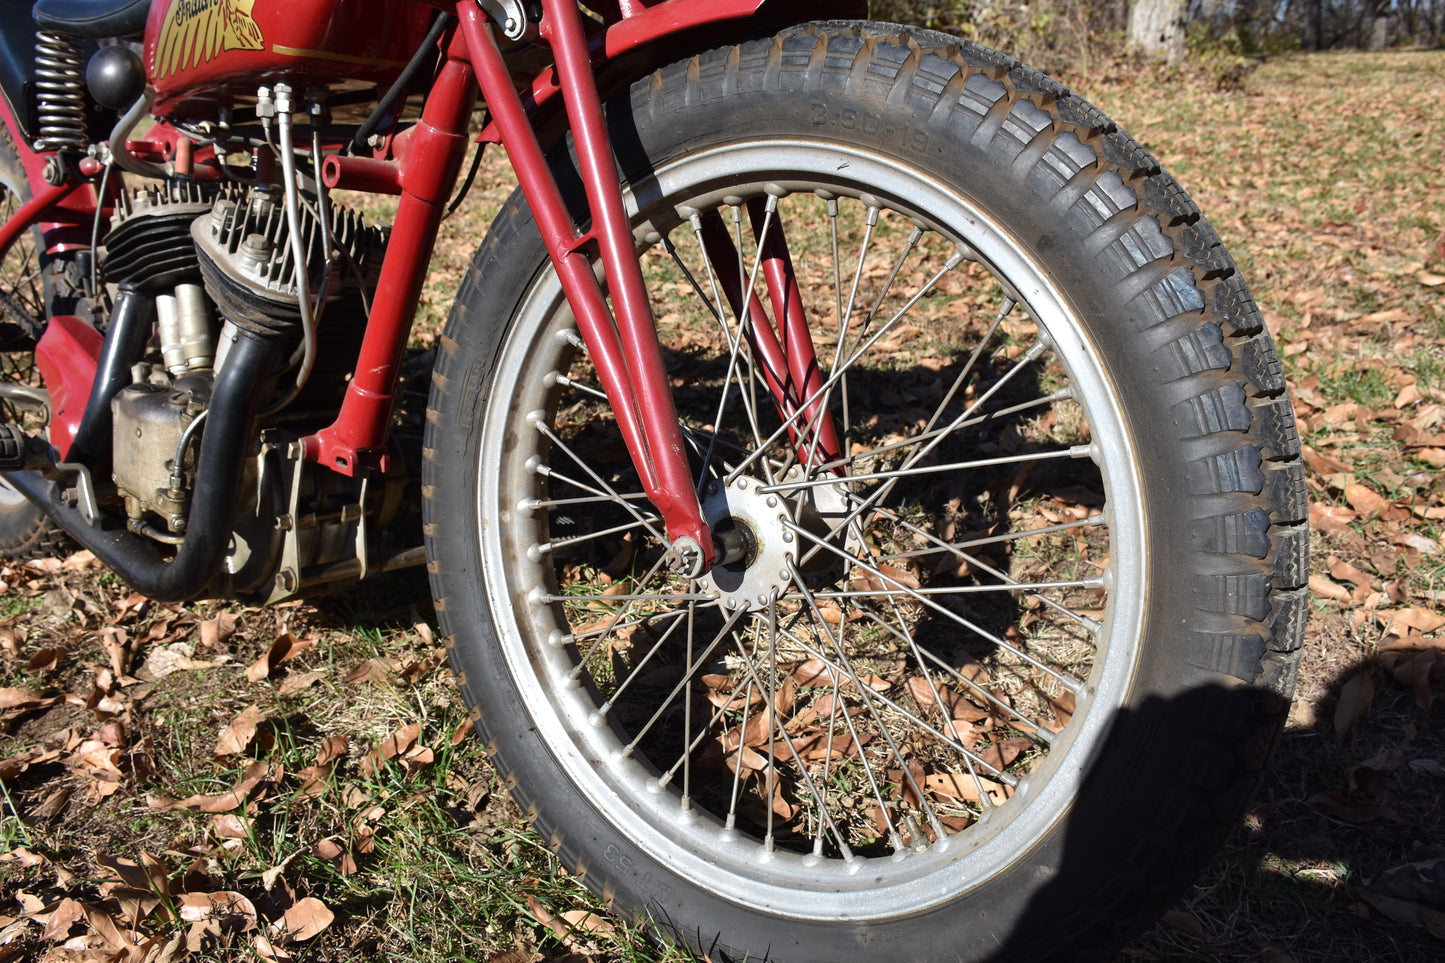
(789, 366)
(625, 349)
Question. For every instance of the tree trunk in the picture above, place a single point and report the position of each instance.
(1379, 36)
(1157, 28)
(1314, 25)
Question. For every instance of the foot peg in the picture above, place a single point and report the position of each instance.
(13, 445)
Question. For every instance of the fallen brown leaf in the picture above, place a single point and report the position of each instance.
(1331, 519)
(176, 657)
(194, 907)
(962, 786)
(396, 744)
(378, 671)
(254, 775)
(1411, 894)
(286, 647)
(1324, 588)
(307, 918)
(1355, 697)
(66, 914)
(117, 645)
(1181, 922)
(237, 737)
(1349, 810)
(296, 683)
(217, 630)
(14, 697)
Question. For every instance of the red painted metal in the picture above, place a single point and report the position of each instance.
(69, 214)
(164, 143)
(206, 52)
(43, 204)
(628, 360)
(199, 53)
(67, 356)
(642, 24)
(788, 366)
(430, 154)
(670, 483)
(361, 174)
(820, 438)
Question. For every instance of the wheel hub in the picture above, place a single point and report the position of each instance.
(757, 544)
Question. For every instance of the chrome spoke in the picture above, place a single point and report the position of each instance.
(1068, 681)
(885, 650)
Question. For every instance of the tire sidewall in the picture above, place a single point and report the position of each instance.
(1149, 796)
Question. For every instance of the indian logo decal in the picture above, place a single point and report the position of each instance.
(195, 31)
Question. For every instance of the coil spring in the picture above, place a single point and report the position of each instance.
(59, 92)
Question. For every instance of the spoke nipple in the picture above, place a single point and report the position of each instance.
(558, 639)
(535, 553)
(597, 720)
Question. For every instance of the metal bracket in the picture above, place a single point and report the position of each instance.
(27, 397)
(288, 575)
(84, 490)
(511, 14)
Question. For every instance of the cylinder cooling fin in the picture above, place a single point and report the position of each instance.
(249, 266)
(150, 245)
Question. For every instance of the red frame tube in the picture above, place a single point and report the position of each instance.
(789, 366)
(820, 438)
(429, 155)
(625, 351)
(31, 211)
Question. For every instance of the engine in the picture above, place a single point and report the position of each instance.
(217, 263)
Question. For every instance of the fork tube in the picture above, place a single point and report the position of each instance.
(820, 439)
(789, 367)
(626, 353)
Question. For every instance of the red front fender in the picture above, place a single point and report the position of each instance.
(640, 37)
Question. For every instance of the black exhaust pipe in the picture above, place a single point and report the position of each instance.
(130, 326)
(224, 443)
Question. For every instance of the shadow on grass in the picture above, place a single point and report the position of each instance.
(1335, 860)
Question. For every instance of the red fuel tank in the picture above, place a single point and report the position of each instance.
(205, 51)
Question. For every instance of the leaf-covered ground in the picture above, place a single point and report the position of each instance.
(216, 782)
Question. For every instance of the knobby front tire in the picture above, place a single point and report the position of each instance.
(1000, 658)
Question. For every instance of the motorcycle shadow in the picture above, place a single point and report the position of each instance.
(1339, 855)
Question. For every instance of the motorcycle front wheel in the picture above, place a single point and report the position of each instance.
(1011, 511)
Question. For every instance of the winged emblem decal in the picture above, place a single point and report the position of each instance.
(195, 31)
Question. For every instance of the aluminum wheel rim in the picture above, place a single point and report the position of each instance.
(624, 790)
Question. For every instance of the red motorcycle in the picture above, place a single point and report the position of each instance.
(860, 496)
